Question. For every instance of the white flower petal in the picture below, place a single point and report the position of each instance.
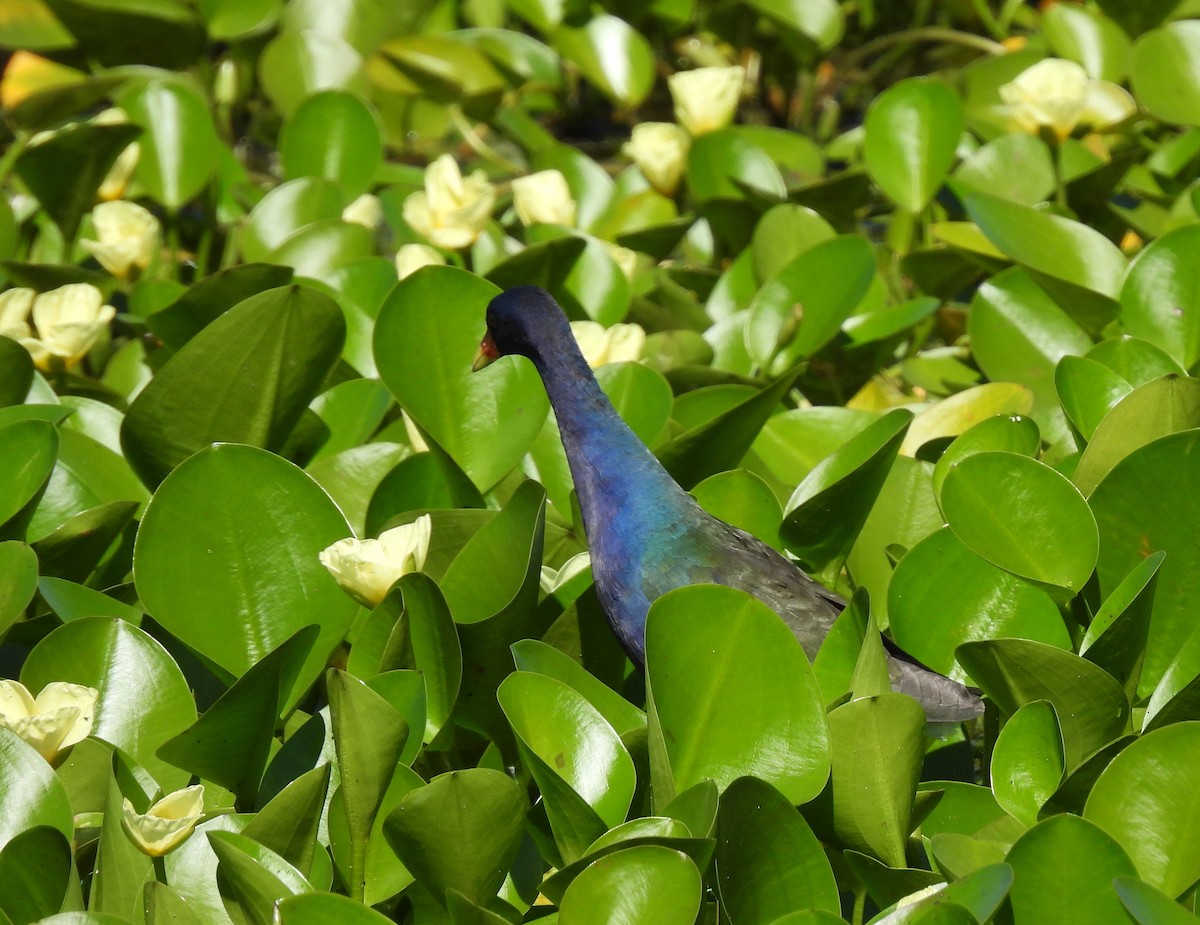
(167, 823)
(70, 319)
(128, 235)
(660, 151)
(411, 257)
(707, 97)
(543, 198)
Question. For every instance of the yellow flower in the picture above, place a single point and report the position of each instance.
(121, 172)
(452, 210)
(600, 345)
(365, 211)
(128, 238)
(707, 97)
(411, 257)
(660, 151)
(165, 825)
(624, 257)
(543, 198)
(14, 313)
(1058, 95)
(367, 569)
(69, 321)
(60, 716)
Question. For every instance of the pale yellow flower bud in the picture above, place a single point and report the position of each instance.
(61, 715)
(1058, 95)
(69, 321)
(660, 151)
(165, 825)
(452, 210)
(600, 345)
(367, 569)
(707, 97)
(411, 257)
(543, 198)
(365, 211)
(128, 235)
(624, 257)
(116, 181)
(14, 313)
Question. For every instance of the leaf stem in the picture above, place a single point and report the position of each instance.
(472, 137)
(923, 34)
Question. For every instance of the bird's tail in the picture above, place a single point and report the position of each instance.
(944, 700)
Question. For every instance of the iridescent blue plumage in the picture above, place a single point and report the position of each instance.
(647, 535)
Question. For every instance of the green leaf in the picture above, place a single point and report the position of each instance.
(1027, 761)
(1023, 516)
(296, 64)
(327, 909)
(612, 55)
(1116, 638)
(712, 718)
(1148, 906)
(768, 861)
(16, 372)
(1145, 800)
(912, 133)
(231, 742)
(1018, 334)
(461, 831)
(121, 870)
(179, 144)
(1014, 433)
(784, 233)
(720, 443)
(801, 308)
(963, 410)
(1091, 707)
(532, 655)
(246, 378)
(257, 877)
(214, 295)
(829, 507)
(19, 568)
(425, 337)
(1017, 167)
(942, 595)
(1146, 503)
(35, 868)
(288, 824)
(333, 135)
(30, 794)
(877, 752)
(241, 530)
(144, 699)
(286, 209)
(743, 499)
(1080, 268)
(1158, 408)
(1158, 300)
(1063, 870)
(1164, 70)
(153, 32)
(65, 170)
(725, 163)
(647, 883)
(584, 773)
(1087, 389)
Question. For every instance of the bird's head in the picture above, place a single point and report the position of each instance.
(524, 320)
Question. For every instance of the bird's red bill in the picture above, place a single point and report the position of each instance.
(486, 354)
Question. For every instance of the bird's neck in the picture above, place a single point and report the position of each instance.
(615, 474)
